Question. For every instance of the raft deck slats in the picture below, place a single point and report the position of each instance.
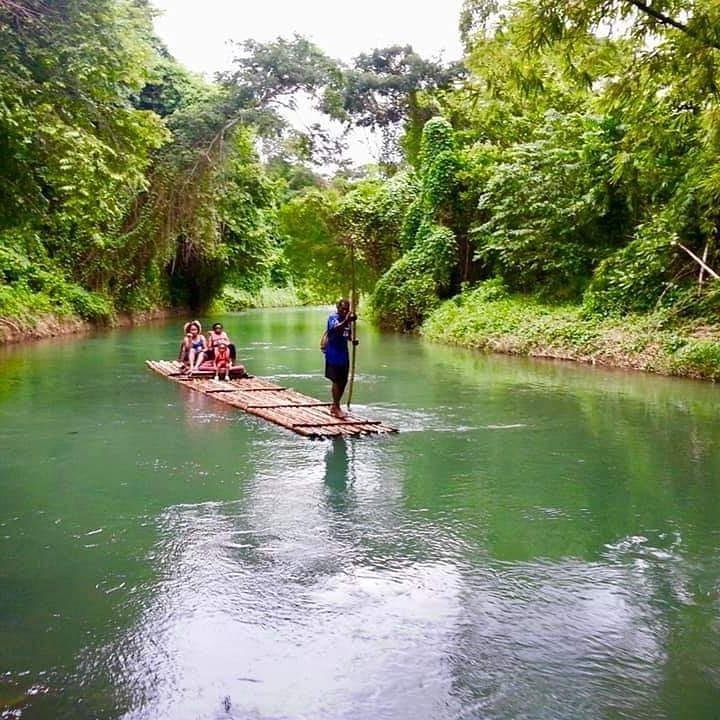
(282, 406)
(338, 422)
(278, 388)
(312, 404)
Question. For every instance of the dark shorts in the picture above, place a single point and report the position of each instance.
(337, 373)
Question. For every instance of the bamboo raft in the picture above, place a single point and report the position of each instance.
(282, 406)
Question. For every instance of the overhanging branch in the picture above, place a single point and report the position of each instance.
(667, 20)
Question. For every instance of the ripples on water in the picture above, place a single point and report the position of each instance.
(312, 616)
(324, 597)
(526, 547)
(443, 419)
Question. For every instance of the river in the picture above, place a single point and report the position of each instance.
(540, 540)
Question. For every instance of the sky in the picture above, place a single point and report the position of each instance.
(199, 33)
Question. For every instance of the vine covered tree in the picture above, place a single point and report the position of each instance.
(73, 148)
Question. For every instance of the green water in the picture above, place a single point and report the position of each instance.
(539, 541)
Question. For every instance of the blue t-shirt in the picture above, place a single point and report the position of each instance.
(337, 347)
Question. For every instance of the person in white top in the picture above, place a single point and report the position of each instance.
(217, 336)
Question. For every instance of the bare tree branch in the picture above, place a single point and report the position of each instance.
(666, 20)
(702, 264)
(23, 9)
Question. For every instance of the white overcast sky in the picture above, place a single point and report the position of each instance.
(199, 34)
(197, 31)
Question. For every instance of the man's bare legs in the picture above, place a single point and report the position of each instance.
(337, 391)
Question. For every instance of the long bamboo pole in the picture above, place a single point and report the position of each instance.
(353, 326)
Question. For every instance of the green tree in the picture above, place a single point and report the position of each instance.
(413, 285)
(381, 90)
(552, 210)
(666, 95)
(248, 214)
(73, 149)
(370, 218)
(318, 264)
(208, 213)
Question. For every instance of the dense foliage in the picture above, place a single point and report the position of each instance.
(414, 283)
(73, 149)
(572, 156)
(587, 135)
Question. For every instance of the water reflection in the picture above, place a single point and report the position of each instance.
(539, 540)
(268, 609)
(337, 476)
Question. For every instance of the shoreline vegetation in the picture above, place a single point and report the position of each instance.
(50, 325)
(510, 325)
(552, 193)
(30, 324)
(520, 325)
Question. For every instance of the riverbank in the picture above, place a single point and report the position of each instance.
(508, 325)
(49, 325)
(33, 318)
(233, 299)
(655, 343)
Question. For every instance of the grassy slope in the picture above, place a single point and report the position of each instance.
(526, 326)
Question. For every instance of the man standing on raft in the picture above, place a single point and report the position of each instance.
(337, 357)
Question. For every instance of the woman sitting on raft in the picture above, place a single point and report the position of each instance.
(217, 336)
(193, 347)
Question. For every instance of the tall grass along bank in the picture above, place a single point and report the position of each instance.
(521, 325)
